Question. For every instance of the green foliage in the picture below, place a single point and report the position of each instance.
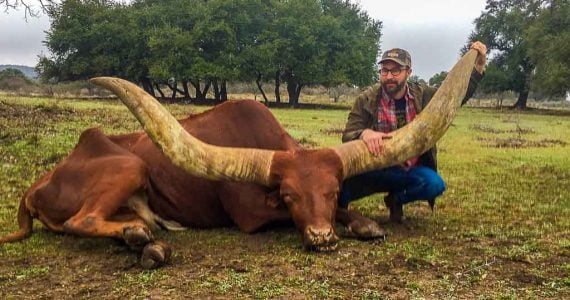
(416, 78)
(528, 41)
(11, 72)
(305, 42)
(549, 37)
(91, 38)
(496, 80)
(335, 43)
(437, 79)
(13, 79)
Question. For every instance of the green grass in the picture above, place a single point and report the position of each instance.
(500, 231)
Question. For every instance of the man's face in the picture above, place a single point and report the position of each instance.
(393, 83)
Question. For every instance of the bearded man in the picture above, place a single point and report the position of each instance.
(388, 105)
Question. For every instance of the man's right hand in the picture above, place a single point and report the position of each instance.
(374, 140)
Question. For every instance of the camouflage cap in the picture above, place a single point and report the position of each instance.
(399, 56)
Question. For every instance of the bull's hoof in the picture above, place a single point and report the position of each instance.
(155, 255)
(137, 237)
(365, 229)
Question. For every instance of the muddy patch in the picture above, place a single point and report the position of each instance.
(333, 131)
(489, 129)
(44, 112)
(516, 142)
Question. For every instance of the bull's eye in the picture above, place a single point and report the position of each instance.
(287, 198)
(332, 196)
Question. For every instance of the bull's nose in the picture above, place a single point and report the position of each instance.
(322, 239)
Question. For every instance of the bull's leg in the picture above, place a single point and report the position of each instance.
(104, 214)
(127, 226)
(358, 225)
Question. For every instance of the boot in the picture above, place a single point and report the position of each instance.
(396, 209)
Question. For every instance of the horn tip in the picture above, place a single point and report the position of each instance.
(100, 80)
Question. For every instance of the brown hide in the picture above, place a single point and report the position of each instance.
(91, 172)
(195, 202)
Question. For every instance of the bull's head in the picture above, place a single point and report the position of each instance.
(308, 180)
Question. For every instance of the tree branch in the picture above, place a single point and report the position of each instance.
(32, 8)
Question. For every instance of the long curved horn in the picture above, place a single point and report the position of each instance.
(419, 135)
(184, 150)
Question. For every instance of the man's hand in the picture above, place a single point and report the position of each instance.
(374, 140)
(481, 56)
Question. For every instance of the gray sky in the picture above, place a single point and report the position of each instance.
(432, 31)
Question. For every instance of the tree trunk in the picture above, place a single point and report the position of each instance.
(147, 86)
(258, 81)
(186, 91)
(199, 94)
(294, 90)
(173, 89)
(224, 91)
(277, 86)
(521, 101)
(523, 94)
(216, 90)
(159, 90)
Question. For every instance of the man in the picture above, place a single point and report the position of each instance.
(385, 107)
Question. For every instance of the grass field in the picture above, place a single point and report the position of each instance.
(501, 230)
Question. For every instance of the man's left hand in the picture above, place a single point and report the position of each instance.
(481, 56)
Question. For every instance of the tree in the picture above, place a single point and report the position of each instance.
(496, 82)
(212, 42)
(11, 72)
(502, 27)
(31, 7)
(13, 79)
(335, 43)
(417, 79)
(89, 38)
(548, 39)
(437, 79)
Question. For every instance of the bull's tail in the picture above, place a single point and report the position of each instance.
(25, 221)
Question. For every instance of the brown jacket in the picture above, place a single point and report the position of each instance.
(364, 114)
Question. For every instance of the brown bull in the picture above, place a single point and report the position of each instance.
(233, 164)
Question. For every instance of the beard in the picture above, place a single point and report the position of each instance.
(393, 90)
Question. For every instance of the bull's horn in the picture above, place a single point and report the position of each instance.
(419, 135)
(184, 150)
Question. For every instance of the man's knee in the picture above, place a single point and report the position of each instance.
(435, 186)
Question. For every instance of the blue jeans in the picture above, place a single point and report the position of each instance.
(417, 183)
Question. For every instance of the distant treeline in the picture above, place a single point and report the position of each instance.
(205, 44)
(29, 72)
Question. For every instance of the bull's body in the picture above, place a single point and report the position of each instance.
(121, 166)
(99, 189)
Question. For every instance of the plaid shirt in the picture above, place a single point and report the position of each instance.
(387, 120)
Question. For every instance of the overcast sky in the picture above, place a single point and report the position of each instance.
(432, 31)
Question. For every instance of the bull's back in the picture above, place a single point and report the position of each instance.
(192, 201)
(244, 123)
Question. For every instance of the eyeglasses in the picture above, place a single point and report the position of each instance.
(394, 72)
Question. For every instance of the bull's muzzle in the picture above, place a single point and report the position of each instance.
(320, 239)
